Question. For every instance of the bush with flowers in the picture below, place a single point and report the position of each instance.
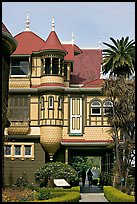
(56, 170)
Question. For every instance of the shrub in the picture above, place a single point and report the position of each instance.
(114, 195)
(22, 180)
(43, 194)
(56, 170)
(68, 197)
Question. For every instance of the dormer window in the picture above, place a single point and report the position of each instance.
(19, 66)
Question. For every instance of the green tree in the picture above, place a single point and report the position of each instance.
(119, 58)
(79, 163)
(122, 119)
(93, 162)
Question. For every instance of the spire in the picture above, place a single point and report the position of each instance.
(53, 25)
(27, 22)
(72, 38)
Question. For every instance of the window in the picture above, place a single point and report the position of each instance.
(107, 107)
(95, 108)
(60, 103)
(47, 65)
(19, 150)
(42, 103)
(19, 108)
(55, 65)
(7, 150)
(27, 149)
(51, 102)
(65, 71)
(20, 66)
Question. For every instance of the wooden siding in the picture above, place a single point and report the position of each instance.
(15, 168)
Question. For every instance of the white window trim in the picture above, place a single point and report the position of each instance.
(22, 156)
(105, 106)
(18, 76)
(75, 131)
(96, 106)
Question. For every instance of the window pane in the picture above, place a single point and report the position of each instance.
(17, 149)
(27, 149)
(7, 149)
(55, 62)
(65, 71)
(19, 66)
(95, 103)
(47, 66)
(108, 110)
(60, 102)
(19, 110)
(51, 102)
(108, 104)
(96, 110)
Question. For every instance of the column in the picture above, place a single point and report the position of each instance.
(66, 155)
(59, 67)
(51, 65)
(63, 68)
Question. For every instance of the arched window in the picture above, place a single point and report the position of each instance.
(96, 108)
(51, 102)
(107, 107)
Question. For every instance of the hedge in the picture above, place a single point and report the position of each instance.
(114, 195)
(66, 195)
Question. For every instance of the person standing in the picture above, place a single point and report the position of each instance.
(89, 175)
(83, 174)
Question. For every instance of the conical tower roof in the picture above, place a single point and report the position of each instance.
(53, 42)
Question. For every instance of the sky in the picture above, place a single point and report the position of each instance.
(91, 22)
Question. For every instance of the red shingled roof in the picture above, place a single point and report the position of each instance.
(87, 63)
(72, 51)
(28, 42)
(52, 43)
(87, 66)
(94, 83)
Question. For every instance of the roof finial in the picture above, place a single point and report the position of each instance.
(72, 38)
(27, 22)
(53, 25)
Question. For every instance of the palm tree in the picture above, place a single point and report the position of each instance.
(122, 120)
(119, 58)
